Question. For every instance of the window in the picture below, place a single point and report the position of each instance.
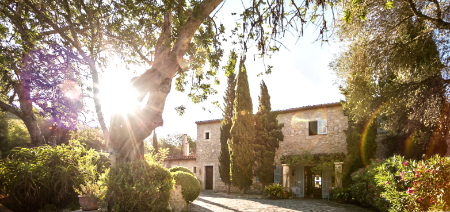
(195, 169)
(219, 173)
(318, 127)
(207, 135)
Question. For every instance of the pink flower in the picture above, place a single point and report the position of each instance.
(420, 199)
(387, 182)
(409, 191)
(406, 163)
(402, 175)
(428, 170)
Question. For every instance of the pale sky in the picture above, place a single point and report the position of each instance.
(300, 77)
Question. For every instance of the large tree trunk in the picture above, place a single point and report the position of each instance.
(127, 132)
(27, 114)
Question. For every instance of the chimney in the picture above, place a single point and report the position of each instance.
(185, 146)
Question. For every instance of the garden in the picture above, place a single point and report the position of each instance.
(53, 178)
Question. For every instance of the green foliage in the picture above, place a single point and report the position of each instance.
(92, 138)
(13, 133)
(396, 184)
(242, 134)
(342, 195)
(44, 175)
(393, 65)
(94, 172)
(174, 142)
(321, 161)
(153, 156)
(225, 128)
(190, 185)
(274, 189)
(361, 146)
(139, 186)
(365, 189)
(268, 136)
(181, 168)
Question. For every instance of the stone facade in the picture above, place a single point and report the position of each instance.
(297, 138)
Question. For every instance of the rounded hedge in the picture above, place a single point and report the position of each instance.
(139, 186)
(190, 186)
(181, 168)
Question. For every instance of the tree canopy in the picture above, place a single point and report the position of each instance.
(395, 68)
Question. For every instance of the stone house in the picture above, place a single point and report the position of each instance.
(318, 129)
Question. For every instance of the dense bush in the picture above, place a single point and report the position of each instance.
(36, 177)
(181, 168)
(139, 186)
(274, 189)
(342, 195)
(406, 185)
(190, 186)
(365, 189)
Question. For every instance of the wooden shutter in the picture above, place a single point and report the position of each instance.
(277, 174)
(322, 126)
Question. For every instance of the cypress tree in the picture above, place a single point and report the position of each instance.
(224, 157)
(268, 136)
(242, 134)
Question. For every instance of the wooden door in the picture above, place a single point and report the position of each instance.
(209, 177)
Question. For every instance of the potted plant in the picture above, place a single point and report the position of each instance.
(274, 190)
(93, 187)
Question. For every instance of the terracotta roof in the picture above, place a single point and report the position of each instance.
(308, 107)
(181, 157)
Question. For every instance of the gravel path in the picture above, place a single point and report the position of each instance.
(209, 201)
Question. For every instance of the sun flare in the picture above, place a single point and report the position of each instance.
(118, 95)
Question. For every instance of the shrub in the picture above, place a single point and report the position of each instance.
(365, 189)
(405, 185)
(181, 168)
(139, 186)
(341, 195)
(190, 186)
(274, 189)
(36, 177)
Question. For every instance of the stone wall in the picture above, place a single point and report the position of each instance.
(176, 200)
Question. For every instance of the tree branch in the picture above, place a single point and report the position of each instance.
(200, 12)
(438, 21)
(11, 109)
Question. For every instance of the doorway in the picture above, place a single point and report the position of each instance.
(209, 171)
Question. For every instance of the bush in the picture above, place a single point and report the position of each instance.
(365, 189)
(36, 177)
(181, 168)
(274, 189)
(342, 195)
(405, 185)
(190, 186)
(139, 186)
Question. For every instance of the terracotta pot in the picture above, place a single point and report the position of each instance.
(87, 203)
(285, 195)
(273, 197)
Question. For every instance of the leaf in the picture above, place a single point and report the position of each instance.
(347, 16)
(389, 5)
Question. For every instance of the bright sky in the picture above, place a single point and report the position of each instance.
(300, 77)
